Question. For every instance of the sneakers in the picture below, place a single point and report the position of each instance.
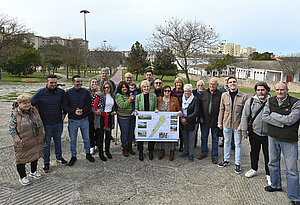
(35, 175)
(238, 169)
(271, 189)
(46, 167)
(269, 180)
(72, 161)
(92, 150)
(24, 181)
(224, 164)
(251, 173)
(90, 158)
(62, 161)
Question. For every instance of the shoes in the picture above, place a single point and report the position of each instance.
(201, 157)
(151, 155)
(238, 169)
(271, 189)
(112, 139)
(141, 156)
(92, 150)
(214, 160)
(233, 148)
(62, 161)
(251, 173)
(90, 158)
(191, 157)
(161, 154)
(184, 154)
(181, 149)
(172, 155)
(130, 150)
(108, 155)
(125, 152)
(36, 175)
(221, 144)
(296, 202)
(96, 149)
(224, 164)
(24, 181)
(46, 167)
(101, 156)
(72, 161)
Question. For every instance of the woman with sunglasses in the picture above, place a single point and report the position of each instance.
(109, 107)
(167, 103)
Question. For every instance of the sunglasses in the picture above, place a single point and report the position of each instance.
(158, 83)
(106, 87)
(168, 91)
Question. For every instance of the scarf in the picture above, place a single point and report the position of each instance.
(35, 122)
(186, 102)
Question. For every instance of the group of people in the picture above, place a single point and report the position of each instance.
(270, 123)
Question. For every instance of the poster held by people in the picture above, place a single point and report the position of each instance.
(161, 126)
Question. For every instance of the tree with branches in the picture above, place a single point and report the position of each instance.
(186, 39)
(164, 63)
(12, 35)
(137, 59)
(220, 63)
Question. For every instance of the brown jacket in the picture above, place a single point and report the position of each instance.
(32, 147)
(230, 116)
(173, 104)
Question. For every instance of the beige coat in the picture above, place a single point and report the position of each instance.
(230, 117)
(32, 147)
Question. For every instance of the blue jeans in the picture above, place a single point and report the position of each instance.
(290, 155)
(54, 131)
(73, 126)
(204, 141)
(127, 128)
(237, 142)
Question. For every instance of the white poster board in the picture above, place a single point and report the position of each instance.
(161, 126)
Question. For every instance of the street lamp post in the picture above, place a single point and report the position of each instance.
(85, 44)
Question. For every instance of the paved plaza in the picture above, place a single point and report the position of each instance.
(127, 180)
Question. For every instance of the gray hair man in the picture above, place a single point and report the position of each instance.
(282, 113)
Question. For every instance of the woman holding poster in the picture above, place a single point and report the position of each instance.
(167, 103)
(189, 106)
(145, 102)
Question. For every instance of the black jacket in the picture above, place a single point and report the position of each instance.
(192, 113)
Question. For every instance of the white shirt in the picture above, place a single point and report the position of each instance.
(109, 103)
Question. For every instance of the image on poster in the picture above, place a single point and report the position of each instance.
(161, 126)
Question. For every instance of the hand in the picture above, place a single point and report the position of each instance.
(135, 113)
(183, 121)
(98, 112)
(179, 114)
(220, 126)
(245, 136)
(112, 113)
(239, 129)
(156, 111)
(63, 117)
(78, 111)
(201, 120)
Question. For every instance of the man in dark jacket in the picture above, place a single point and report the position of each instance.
(49, 102)
(77, 103)
(282, 113)
(209, 103)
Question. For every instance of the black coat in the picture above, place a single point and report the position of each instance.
(192, 113)
(210, 120)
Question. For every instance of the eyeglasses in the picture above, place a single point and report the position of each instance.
(158, 83)
(106, 87)
(168, 91)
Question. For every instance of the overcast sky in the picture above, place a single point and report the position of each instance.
(268, 25)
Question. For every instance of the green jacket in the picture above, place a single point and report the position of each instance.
(139, 102)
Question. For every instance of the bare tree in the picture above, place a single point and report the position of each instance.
(186, 39)
(12, 33)
(290, 65)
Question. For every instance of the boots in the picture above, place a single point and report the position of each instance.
(161, 154)
(141, 156)
(151, 154)
(107, 145)
(130, 150)
(125, 152)
(101, 156)
(172, 155)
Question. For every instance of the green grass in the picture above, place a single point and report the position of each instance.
(14, 78)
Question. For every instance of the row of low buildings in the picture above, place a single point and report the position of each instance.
(231, 49)
(251, 69)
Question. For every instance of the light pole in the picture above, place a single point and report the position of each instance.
(85, 44)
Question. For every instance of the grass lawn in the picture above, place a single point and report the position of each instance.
(14, 78)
